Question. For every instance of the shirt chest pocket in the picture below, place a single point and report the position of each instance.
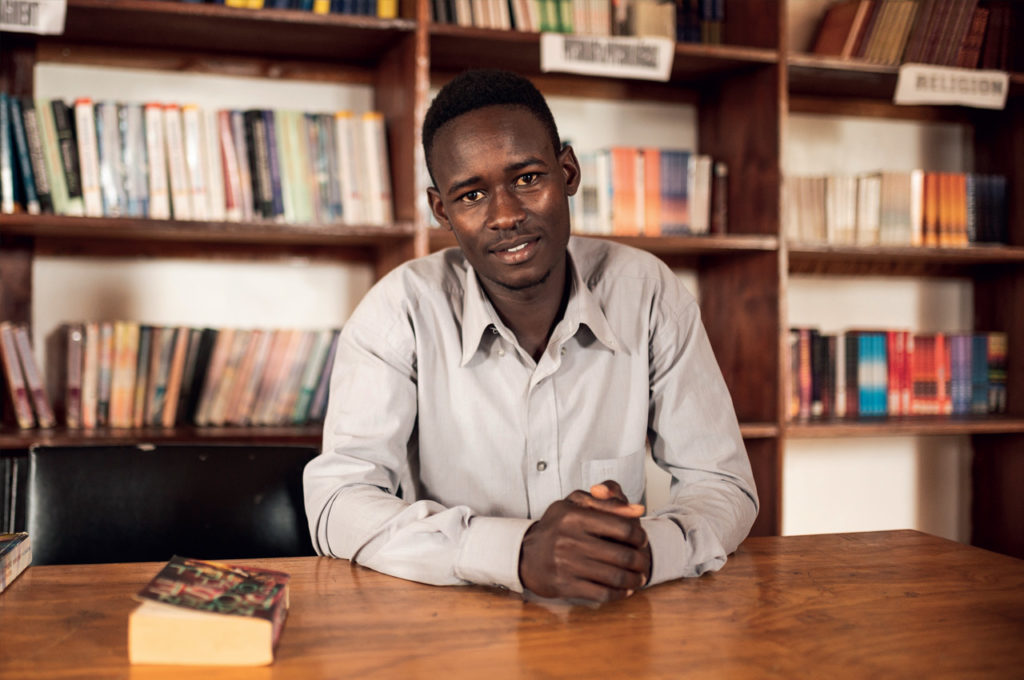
(627, 470)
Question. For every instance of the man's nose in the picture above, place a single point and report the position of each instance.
(505, 210)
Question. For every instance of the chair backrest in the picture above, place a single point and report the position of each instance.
(94, 504)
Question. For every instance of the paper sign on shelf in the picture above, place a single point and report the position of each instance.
(927, 84)
(645, 58)
(33, 16)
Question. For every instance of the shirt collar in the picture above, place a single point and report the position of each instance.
(478, 314)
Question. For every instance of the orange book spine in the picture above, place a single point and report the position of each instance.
(652, 191)
(624, 191)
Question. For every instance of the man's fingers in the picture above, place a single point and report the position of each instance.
(607, 490)
(611, 505)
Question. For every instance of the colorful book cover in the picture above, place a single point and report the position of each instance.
(219, 588)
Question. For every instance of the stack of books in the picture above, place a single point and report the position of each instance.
(124, 374)
(915, 208)
(693, 21)
(859, 373)
(164, 161)
(961, 33)
(631, 191)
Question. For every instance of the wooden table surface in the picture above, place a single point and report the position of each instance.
(870, 605)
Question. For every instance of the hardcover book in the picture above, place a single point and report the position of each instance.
(15, 557)
(196, 612)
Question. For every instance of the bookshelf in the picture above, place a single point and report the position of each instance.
(743, 91)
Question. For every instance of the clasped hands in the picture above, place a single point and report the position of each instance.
(589, 546)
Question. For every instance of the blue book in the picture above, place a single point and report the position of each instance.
(8, 192)
(24, 161)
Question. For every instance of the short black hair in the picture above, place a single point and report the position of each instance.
(477, 88)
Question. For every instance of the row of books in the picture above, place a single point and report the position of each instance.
(915, 208)
(123, 374)
(384, 9)
(895, 373)
(694, 21)
(163, 161)
(631, 191)
(962, 33)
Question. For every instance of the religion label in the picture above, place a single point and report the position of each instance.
(926, 84)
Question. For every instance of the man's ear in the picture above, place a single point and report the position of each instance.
(571, 167)
(437, 207)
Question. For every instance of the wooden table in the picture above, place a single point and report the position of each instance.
(888, 604)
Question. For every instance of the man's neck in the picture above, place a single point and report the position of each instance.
(532, 313)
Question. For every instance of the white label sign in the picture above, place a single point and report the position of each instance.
(647, 58)
(33, 16)
(925, 84)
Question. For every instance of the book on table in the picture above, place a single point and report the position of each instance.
(15, 556)
(196, 612)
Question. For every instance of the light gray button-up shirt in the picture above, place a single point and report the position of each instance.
(444, 440)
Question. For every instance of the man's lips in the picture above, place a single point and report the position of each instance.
(514, 252)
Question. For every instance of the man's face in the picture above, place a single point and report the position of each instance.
(503, 190)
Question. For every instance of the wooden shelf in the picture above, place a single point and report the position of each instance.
(217, 28)
(833, 77)
(62, 436)
(453, 47)
(310, 435)
(900, 261)
(143, 230)
(916, 425)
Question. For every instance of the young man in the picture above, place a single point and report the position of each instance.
(491, 405)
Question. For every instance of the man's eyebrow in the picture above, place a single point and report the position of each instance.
(511, 167)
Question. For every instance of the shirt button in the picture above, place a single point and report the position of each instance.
(542, 466)
(494, 331)
(501, 352)
(562, 351)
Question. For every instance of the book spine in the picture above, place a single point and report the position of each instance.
(318, 406)
(142, 375)
(159, 193)
(90, 375)
(377, 168)
(52, 156)
(351, 180)
(36, 154)
(273, 164)
(177, 167)
(64, 122)
(106, 373)
(259, 163)
(6, 158)
(229, 160)
(16, 388)
(24, 160)
(88, 157)
(33, 378)
(214, 166)
(112, 172)
(245, 178)
(195, 163)
(135, 159)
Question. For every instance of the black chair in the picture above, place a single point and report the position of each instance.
(95, 504)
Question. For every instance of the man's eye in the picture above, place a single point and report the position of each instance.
(527, 179)
(472, 196)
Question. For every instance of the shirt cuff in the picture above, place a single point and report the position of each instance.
(668, 549)
(489, 554)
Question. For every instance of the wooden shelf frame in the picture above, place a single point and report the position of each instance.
(743, 92)
(940, 426)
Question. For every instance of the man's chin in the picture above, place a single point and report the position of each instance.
(525, 283)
